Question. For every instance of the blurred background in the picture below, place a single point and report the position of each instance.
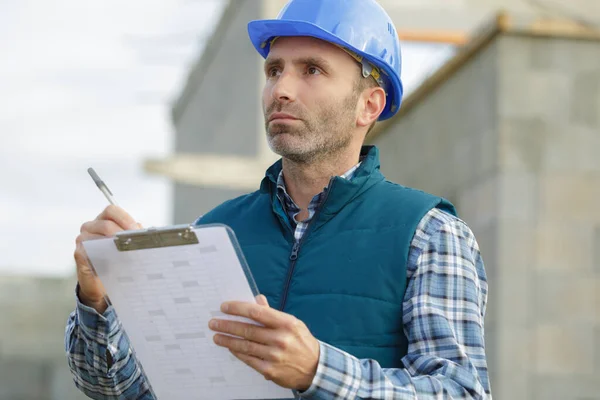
(501, 116)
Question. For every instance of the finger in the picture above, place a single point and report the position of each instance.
(83, 265)
(80, 254)
(245, 347)
(262, 366)
(264, 315)
(106, 228)
(262, 300)
(246, 331)
(88, 236)
(119, 216)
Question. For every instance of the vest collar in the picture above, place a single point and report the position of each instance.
(340, 191)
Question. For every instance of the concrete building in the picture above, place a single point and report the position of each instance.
(508, 129)
(33, 314)
(218, 117)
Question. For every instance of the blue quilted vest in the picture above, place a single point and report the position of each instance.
(347, 276)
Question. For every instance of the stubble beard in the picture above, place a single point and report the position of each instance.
(312, 138)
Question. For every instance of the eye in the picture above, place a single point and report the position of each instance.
(273, 72)
(312, 70)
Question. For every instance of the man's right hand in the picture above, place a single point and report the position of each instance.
(112, 220)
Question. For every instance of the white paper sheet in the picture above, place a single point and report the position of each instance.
(164, 298)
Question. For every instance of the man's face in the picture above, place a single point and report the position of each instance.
(310, 98)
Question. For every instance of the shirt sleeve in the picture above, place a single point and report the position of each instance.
(443, 314)
(89, 340)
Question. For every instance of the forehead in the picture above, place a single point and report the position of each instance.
(300, 46)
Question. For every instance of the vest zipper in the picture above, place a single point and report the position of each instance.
(296, 247)
(294, 254)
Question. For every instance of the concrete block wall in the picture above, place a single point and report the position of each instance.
(513, 138)
(219, 110)
(548, 148)
(190, 201)
(33, 365)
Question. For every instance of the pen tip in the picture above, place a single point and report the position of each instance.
(93, 174)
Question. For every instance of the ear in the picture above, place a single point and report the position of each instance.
(372, 105)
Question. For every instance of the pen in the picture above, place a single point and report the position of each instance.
(102, 186)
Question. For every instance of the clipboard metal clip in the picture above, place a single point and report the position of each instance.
(153, 238)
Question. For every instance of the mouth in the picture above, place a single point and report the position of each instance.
(282, 117)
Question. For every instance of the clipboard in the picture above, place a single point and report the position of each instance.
(178, 235)
(165, 284)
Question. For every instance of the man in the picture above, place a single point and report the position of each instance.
(370, 289)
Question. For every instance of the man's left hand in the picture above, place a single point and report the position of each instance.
(283, 350)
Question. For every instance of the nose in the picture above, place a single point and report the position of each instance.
(284, 88)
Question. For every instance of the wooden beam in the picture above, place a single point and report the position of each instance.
(457, 38)
(231, 172)
(547, 27)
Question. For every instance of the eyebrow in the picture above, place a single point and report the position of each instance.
(310, 60)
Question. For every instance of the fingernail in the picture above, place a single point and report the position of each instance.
(224, 307)
(213, 324)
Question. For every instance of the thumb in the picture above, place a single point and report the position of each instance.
(262, 300)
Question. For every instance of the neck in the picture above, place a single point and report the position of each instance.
(305, 180)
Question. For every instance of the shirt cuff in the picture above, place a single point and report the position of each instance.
(95, 326)
(338, 375)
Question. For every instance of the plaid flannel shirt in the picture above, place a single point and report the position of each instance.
(443, 316)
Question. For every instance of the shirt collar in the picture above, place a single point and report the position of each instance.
(348, 175)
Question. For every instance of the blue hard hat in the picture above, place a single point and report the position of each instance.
(361, 27)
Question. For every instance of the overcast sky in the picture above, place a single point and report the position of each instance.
(90, 84)
(86, 84)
